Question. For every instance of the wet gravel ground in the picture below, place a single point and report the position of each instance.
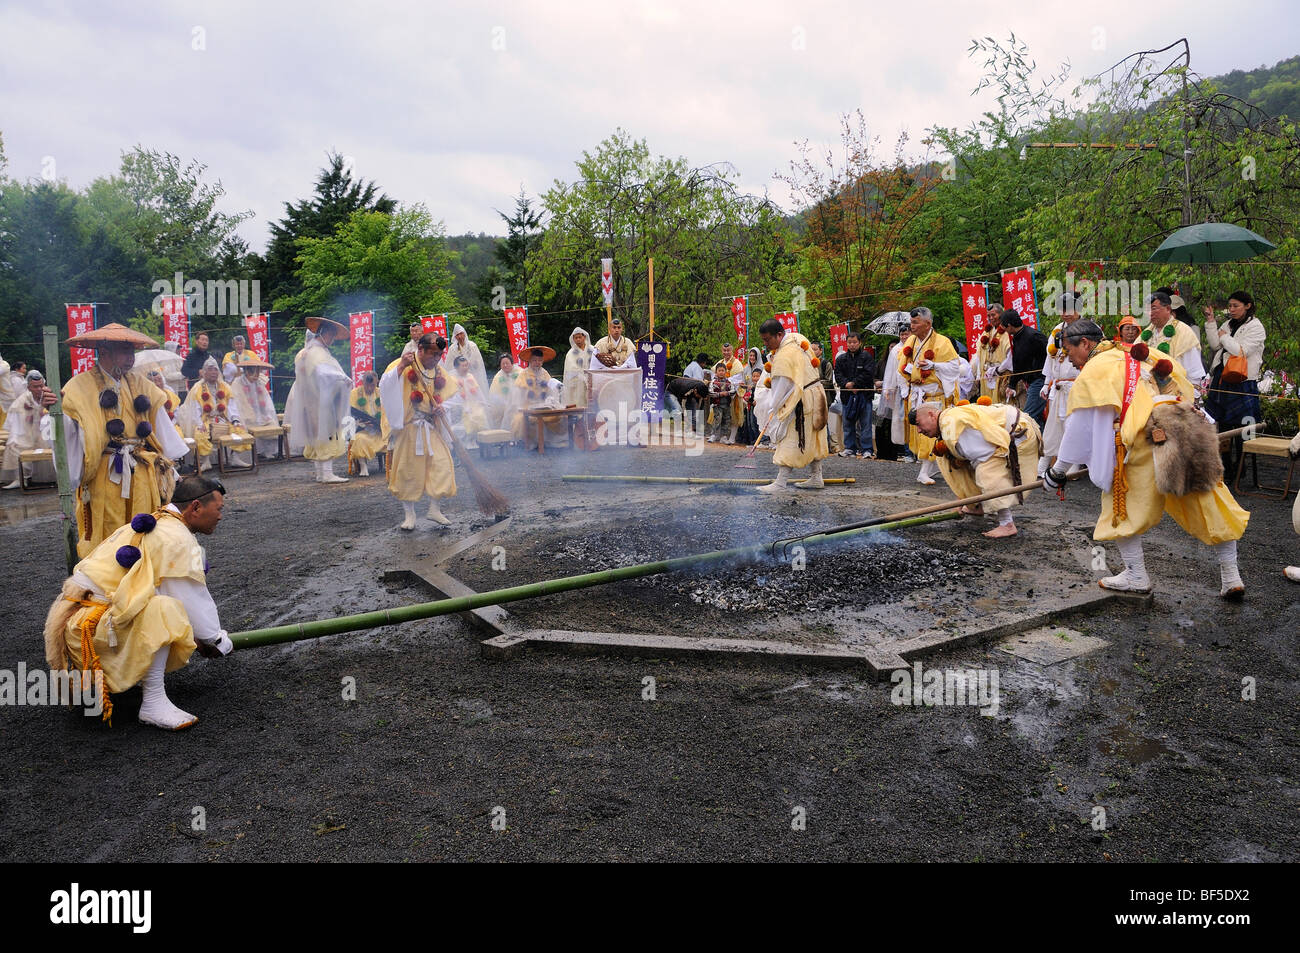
(572, 757)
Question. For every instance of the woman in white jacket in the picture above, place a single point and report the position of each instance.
(1233, 405)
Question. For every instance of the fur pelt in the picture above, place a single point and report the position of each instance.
(1188, 461)
(815, 401)
(56, 624)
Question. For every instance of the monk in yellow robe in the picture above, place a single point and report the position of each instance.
(119, 441)
(413, 390)
(616, 349)
(737, 372)
(210, 412)
(372, 426)
(983, 448)
(137, 605)
(532, 388)
(930, 368)
(1121, 405)
(795, 410)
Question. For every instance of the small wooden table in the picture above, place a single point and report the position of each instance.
(544, 415)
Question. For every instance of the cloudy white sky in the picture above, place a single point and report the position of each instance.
(458, 104)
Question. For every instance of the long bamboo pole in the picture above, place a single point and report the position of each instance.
(740, 481)
(54, 378)
(256, 638)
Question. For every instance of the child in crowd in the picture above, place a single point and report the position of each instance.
(720, 394)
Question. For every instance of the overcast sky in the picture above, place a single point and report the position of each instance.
(458, 104)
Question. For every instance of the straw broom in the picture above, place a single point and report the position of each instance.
(490, 501)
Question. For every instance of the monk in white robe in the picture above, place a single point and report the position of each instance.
(462, 346)
(318, 401)
(251, 401)
(30, 428)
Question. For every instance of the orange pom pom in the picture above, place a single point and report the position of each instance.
(804, 345)
(941, 448)
(767, 382)
(985, 401)
(816, 362)
(928, 355)
(1140, 351)
(907, 351)
(767, 366)
(963, 402)
(1164, 367)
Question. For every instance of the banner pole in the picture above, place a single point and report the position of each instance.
(53, 376)
(651, 262)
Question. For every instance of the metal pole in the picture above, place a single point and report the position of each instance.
(60, 448)
(256, 638)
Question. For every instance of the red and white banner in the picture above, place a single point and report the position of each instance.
(434, 324)
(1019, 295)
(81, 318)
(259, 338)
(362, 324)
(607, 281)
(517, 329)
(176, 323)
(789, 320)
(839, 340)
(975, 311)
(740, 320)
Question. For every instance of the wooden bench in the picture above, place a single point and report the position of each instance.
(1268, 447)
(34, 457)
(493, 438)
(235, 442)
(272, 432)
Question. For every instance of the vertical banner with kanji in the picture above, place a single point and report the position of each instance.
(176, 323)
(651, 358)
(517, 328)
(740, 320)
(789, 320)
(1019, 295)
(839, 340)
(975, 311)
(259, 338)
(81, 318)
(607, 281)
(362, 324)
(435, 324)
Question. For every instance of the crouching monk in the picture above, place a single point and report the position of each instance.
(981, 449)
(138, 605)
(1132, 422)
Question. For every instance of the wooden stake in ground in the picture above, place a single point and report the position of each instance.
(490, 501)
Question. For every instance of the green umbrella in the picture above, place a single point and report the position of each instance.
(1211, 242)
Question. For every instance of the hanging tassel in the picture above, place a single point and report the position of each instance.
(1118, 486)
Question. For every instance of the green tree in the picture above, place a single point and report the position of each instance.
(394, 264)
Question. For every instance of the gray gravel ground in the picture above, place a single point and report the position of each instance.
(438, 742)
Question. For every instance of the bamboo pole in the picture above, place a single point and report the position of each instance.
(297, 632)
(53, 379)
(652, 297)
(739, 481)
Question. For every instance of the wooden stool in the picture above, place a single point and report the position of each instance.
(493, 438)
(1268, 447)
(228, 442)
(34, 457)
(271, 432)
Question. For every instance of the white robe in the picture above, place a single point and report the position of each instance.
(471, 354)
(317, 403)
(29, 429)
(252, 405)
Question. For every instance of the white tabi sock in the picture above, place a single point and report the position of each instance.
(408, 507)
(782, 476)
(1229, 576)
(1004, 516)
(156, 708)
(364, 469)
(1130, 550)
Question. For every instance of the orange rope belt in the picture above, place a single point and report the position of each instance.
(89, 658)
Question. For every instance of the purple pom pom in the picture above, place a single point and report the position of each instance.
(108, 399)
(143, 522)
(141, 404)
(115, 428)
(127, 556)
(143, 429)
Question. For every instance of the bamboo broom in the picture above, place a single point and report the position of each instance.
(490, 501)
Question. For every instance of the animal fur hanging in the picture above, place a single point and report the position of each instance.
(1185, 449)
